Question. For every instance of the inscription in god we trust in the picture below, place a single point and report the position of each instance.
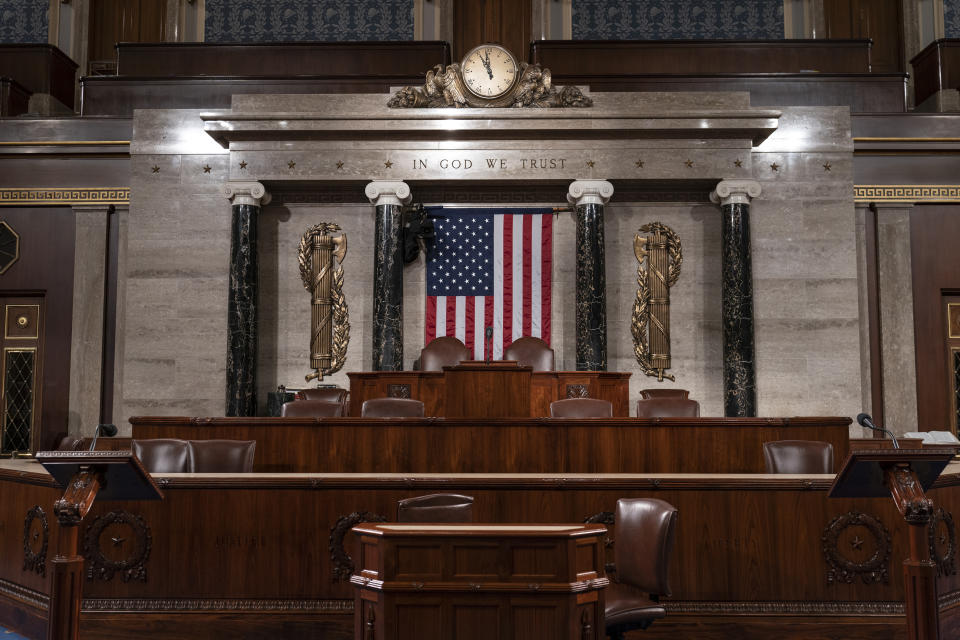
(495, 164)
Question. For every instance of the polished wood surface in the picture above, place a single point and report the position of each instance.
(936, 68)
(126, 21)
(700, 57)
(505, 22)
(487, 389)
(41, 68)
(545, 387)
(745, 565)
(14, 98)
(506, 445)
(882, 22)
(465, 581)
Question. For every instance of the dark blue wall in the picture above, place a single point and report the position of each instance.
(951, 18)
(677, 19)
(23, 21)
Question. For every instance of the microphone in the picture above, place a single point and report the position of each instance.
(488, 347)
(866, 421)
(109, 430)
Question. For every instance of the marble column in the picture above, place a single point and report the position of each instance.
(589, 197)
(739, 361)
(388, 197)
(241, 391)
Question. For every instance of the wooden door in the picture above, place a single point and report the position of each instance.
(879, 20)
(113, 21)
(20, 374)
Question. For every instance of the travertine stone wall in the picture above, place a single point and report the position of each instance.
(174, 285)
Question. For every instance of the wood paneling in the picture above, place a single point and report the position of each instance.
(700, 57)
(41, 68)
(936, 272)
(546, 445)
(879, 20)
(936, 68)
(504, 22)
(247, 557)
(14, 98)
(113, 21)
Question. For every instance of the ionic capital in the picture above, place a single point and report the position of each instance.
(388, 192)
(252, 193)
(735, 192)
(589, 192)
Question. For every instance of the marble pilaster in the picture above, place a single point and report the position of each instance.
(739, 358)
(246, 199)
(589, 197)
(388, 197)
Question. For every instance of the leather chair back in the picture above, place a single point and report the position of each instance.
(70, 443)
(445, 351)
(311, 409)
(581, 408)
(329, 394)
(798, 456)
(222, 456)
(391, 408)
(531, 352)
(163, 455)
(668, 408)
(436, 507)
(644, 531)
(647, 394)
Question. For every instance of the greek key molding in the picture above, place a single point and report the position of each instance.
(67, 196)
(215, 604)
(786, 608)
(906, 193)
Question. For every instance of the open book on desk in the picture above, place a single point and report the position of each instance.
(934, 437)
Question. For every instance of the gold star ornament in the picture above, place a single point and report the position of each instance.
(775, 166)
(388, 164)
(243, 164)
(827, 166)
(339, 164)
(639, 164)
(689, 163)
(590, 163)
(155, 169)
(206, 168)
(291, 164)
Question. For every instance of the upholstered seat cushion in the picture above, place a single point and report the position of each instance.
(629, 605)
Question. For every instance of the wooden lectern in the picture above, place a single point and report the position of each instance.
(495, 389)
(85, 476)
(903, 474)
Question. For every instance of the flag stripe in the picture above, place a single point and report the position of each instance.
(536, 274)
(451, 316)
(516, 324)
(546, 270)
(508, 280)
(527, 274)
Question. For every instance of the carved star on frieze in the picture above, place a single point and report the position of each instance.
(639, 164)
(243, 164)
(738, 162)
(775, 166)
(206, 168)
(826, 166)
(856, 543)
(291, 164)
(689, 163)
(590, 163)
(339, 164)
(155, 169)
(388, 164)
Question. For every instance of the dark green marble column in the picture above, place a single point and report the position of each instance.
(241, 383)
(739, 358)
(388, 198)
(589, 197)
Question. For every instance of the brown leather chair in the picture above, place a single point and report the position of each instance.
(327, 394)
(311, 409)
(581, 408)
(531, 352)
(222, 456)
(445, 351)
(644, 531)
(70, 443)
(667, 405)
(391, 408)
(436, 507)
(798, 456)
(163, 455)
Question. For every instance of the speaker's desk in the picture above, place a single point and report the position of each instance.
(430, 387)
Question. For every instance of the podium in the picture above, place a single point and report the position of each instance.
(495, 389)
(903, 474)
(85, 476)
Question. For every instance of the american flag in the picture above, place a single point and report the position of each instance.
(490, 268)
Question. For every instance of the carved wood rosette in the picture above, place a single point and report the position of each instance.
(856, 545)
(577, 391)
(342, 562)
(117, 542)
(398, 391)
(942, 537)
(36, 540)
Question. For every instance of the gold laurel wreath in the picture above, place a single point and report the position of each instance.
(641, 316)
(339, 311)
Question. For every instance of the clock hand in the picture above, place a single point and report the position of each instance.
(486, 63)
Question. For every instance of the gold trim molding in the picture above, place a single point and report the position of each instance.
(906, 193)
(70, 196)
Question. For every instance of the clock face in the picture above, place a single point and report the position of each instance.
(489, 71)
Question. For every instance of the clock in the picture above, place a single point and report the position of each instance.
(489, 71)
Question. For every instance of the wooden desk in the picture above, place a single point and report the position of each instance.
(504, 445)
(545, 387)
(506, 581)
(499, 389)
